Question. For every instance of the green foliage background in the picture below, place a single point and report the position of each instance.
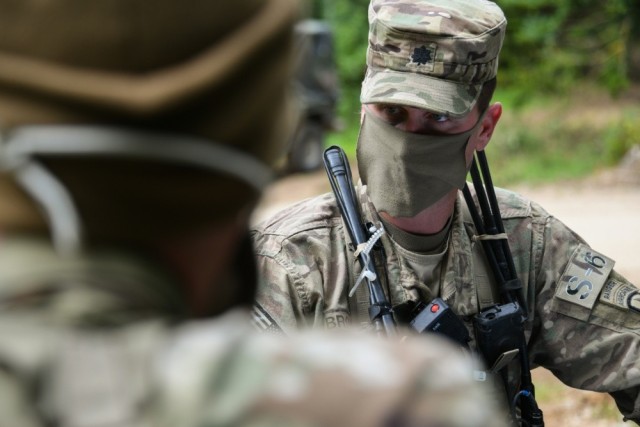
(553, 50)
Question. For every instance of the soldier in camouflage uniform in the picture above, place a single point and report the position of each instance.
(426, 95)
(135, 138)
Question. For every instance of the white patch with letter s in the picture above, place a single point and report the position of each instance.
(584, 277)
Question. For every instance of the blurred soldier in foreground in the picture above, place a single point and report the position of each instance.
(134, 142)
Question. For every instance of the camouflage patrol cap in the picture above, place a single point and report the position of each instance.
(432, 54)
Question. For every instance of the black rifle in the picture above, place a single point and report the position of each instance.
(339, 173)
(500, 328)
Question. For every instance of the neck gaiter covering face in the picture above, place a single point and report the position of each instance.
(407, 172)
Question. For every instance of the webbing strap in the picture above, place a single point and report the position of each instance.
(360, 300)
(482, 279)
(499, 236)
(482, 276)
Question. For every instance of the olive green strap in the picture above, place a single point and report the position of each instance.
(482, 276)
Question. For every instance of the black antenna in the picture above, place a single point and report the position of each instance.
(339, 172)
(501, 262)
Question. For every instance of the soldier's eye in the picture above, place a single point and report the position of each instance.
(394, 114)
(440, 118)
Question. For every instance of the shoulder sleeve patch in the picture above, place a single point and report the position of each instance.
(584, 277)
(634, 301)
(263, 322)
(621, 295)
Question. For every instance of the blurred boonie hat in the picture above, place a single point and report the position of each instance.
(432, 54)
(204, 83)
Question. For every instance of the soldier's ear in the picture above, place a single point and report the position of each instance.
(488, 125)
(361, 114)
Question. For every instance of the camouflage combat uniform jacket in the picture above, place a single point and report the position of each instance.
(584, 317)
(106, 341)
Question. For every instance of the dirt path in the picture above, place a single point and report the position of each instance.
(604, 210)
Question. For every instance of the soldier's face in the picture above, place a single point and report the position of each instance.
(430, 179)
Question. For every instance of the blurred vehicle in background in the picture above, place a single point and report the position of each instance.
(316, 90)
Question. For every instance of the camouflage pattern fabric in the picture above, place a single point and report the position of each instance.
(584, 317)
(432, 54)
(106, 341)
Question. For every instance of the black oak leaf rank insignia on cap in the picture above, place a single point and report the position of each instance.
(421, 55)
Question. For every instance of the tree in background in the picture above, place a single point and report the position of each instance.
(633, 51)
(552, 44)
(349, 21)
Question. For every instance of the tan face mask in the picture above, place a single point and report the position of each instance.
(407, 172)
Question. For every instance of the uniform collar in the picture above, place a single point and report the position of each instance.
(457, 287)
